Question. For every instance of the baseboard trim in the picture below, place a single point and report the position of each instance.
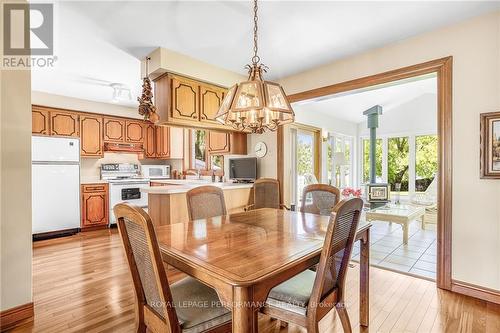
(472, 290)
(16, 316)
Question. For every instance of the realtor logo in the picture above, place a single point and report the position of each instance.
(28, 29)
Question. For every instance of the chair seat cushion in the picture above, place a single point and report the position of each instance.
(197, 306)
(293, 294)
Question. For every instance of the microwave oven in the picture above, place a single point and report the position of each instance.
(155, 171)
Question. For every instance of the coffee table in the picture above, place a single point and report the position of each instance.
(400, 214)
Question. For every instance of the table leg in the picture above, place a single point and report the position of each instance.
(245, 312)
(423, 222)
(405, 233)
(364, 281)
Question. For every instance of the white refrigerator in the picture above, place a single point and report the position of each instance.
(55, 184)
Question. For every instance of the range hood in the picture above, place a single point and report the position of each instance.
(124, 147)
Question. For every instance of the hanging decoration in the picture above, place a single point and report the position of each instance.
(146, 106)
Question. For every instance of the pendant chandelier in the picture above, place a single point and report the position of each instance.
(255, 105)
(146, 106)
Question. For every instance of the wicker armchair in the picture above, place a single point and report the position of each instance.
(307, 297)
(205, 201)
(266, 194)
(319, 199)
(160, 307)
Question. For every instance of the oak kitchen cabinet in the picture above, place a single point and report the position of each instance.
(220, 143)
(114, 129)
(162, 142)
(63, 123)
(40, 121)
(95, 209)
(189, 103)
(91, 136)
(120, 130)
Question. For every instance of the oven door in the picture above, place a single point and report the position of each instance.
(129, 192)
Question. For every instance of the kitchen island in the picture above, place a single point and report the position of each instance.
(167, 199)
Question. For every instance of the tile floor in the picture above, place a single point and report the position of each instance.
(387, 249)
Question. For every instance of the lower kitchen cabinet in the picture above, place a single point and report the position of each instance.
(95, 206)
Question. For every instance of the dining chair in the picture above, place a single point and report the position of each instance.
(266, 194)
(307, 297)
(160, 307)
(205, 201)
(319, 199)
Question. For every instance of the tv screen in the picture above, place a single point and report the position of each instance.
(243, 168)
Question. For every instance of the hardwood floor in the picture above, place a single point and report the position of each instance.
(82, 284)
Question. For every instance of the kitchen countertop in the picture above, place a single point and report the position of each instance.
(175, 186)
(85, 181)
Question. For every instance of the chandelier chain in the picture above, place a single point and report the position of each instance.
(255, 58)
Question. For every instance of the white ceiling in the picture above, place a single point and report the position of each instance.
(350, 106)
(100, 42)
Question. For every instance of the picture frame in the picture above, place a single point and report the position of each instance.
(490, 145)
(378, 192)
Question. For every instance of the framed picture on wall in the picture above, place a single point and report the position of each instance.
(490, 145)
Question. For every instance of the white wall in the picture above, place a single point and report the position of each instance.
(475, 47)
(266, 166)
(304, 114)
(15, 185)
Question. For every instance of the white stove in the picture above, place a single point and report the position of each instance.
(125, 183)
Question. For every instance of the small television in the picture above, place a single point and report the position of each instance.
(243, 169)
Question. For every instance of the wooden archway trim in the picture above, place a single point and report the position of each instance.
(443, 69)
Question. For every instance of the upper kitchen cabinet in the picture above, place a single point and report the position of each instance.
(163, 142)
(210, 101)
(63, 123)
(119, 130)
(220, 143)
(114, 129)
(185, 99)
(40, 121)
(135, 131)
(188, 103)
(150, 141)
(91, 136)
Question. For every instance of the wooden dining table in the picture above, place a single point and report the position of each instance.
(244, 255)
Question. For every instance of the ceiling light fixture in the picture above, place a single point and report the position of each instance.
(121, 92)
(146, 107)
(255, 105)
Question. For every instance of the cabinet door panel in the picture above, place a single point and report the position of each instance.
(162, 142)
(91, 144)
(40, 121)
(184, 99)
(150, 141)
(64, 124)
(114, 130)
(134, 131)
(218, 142)
(210, 100)
(94, 209)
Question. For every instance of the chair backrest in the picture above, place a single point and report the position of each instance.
(151, 286)
(266, 193)
(336, 253)
(205, 201)
(319, 199)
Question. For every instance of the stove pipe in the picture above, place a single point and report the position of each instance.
(372, 114)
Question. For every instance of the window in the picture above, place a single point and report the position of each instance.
(398, 162)
(217, 163)
(305, 160)
(426, 161)
(199, 149)
(339, 162)
(366, 160)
